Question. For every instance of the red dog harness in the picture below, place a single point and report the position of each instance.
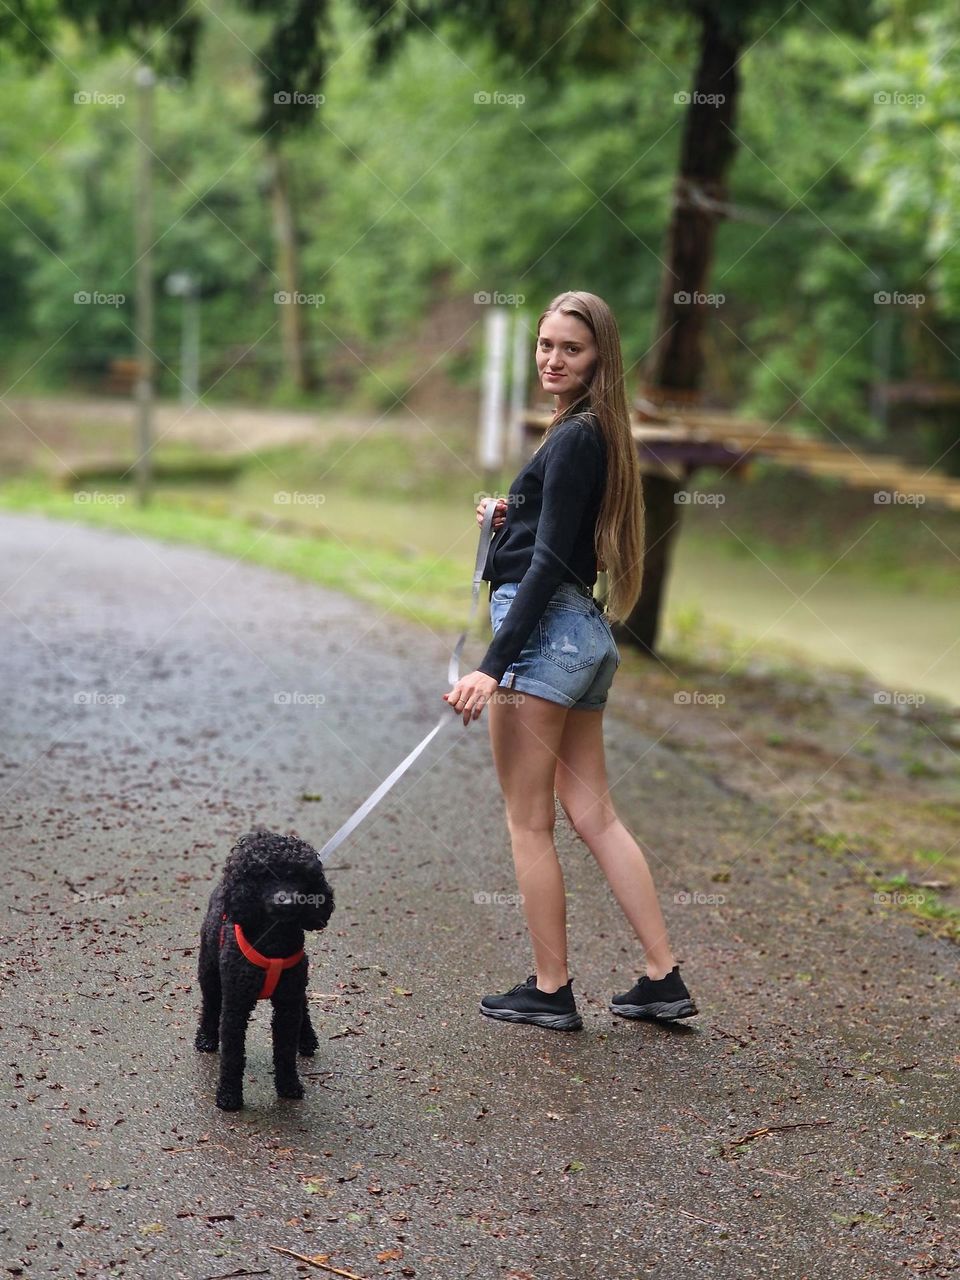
(273, 964)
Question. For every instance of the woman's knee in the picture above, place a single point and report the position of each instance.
(526, 818)
(590, 819)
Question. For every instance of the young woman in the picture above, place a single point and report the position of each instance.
(575, 505)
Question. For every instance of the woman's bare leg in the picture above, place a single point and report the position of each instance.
(525, 733)
(581, 782)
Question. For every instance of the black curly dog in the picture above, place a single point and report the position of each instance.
(251, 948)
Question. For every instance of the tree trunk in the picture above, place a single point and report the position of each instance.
(296, 359)
(662, 520)
(675, 367)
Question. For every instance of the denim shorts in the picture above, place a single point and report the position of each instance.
(571, 655)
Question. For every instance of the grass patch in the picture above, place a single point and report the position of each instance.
(914, 767)
(174, 465)
(385, 463)
(838, 843)
(901, 892)
(426, 589)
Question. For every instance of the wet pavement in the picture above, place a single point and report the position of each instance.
(158, 701)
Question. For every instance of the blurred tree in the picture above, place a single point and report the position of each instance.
(910, 169)
(166, 34)
(293, 61)
(30, 28)
(573, 35)
(413, 197)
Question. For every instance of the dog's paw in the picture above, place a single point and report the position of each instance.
(308, 1048)
(229, 1099)
(206, 1043)
(290, 1088)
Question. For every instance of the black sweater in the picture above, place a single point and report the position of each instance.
(548, 535)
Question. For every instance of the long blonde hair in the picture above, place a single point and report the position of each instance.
(619, 538)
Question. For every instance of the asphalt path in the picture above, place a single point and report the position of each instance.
(161, 699)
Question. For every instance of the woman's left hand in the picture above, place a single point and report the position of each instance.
(471, 693)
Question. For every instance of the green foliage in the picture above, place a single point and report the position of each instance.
(408, 189)
(909, 166)
(31, 28)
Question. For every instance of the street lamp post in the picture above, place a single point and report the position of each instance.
(145, 80)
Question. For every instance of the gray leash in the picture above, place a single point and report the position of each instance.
(448, 716)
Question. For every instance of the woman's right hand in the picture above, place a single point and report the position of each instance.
(498, 516)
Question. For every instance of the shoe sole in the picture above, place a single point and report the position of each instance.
(553, 1021)
(664, 1011)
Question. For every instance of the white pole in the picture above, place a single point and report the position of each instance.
(190, 348)
(181, 284)
(494, 379)
(518, 386)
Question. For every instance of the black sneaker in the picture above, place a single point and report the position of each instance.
(527, 1003)
(664, 998)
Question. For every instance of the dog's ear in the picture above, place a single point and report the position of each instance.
(326, 907)
(243, 886)
(322, 892)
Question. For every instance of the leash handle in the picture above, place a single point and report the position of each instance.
(448, 716)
